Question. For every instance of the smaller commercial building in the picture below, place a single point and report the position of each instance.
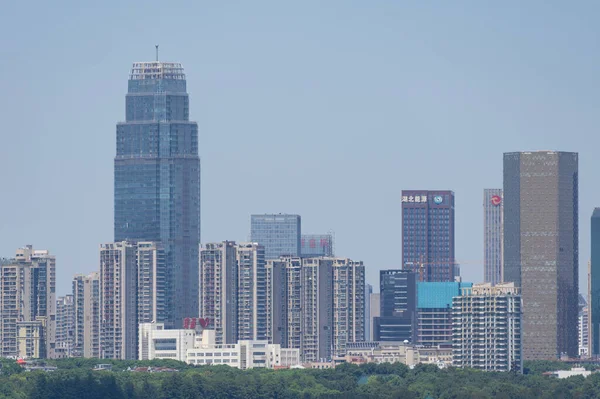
(199, 347)
(399, 352)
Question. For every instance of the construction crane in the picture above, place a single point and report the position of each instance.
(420, 266)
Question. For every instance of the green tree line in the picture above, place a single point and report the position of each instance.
(75, 379)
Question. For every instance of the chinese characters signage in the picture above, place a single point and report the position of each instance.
(414, 198)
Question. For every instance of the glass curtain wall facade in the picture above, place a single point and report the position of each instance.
(428, 234)
(541, 248)
(157, 178)
(278, 233)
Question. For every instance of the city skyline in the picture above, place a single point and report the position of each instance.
(232, 89)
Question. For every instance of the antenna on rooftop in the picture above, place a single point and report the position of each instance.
(156, 52)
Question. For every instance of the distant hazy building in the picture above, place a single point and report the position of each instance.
(428, 234)
(434, 311)
(86, 298)
(65, 326)
(278, 233)
(315, 305)
(487, 328)
(492, 235)
(368, 292)
(31, 339)
(27, 295)
(315, 245)
(374, 312)
(541, 248)
(118, 296)
(594, 286)
(398, 304)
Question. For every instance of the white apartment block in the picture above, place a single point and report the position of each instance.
(200, 348)
(486, 328)
(152, 284)
(86, 298)
(28, 294)
(233, 290)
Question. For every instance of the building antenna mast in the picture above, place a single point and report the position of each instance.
(156, 52)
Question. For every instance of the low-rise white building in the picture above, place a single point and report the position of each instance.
(200, 348)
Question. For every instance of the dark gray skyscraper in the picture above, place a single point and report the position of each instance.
(594, 288)
(278, 233)
(541, 247)
(157, 178)
(428, 234)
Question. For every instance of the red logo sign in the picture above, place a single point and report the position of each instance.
(496, 200)
(190, 322)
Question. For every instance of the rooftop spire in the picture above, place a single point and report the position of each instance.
(156, 52)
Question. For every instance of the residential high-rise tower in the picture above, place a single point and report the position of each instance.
(541, 250)
(157, 178)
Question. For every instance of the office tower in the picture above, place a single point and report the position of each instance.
(152, 284)
(583, 328)
(219, 288)
(492, 235)
(367, 322)
(594, 286)
(27, 295)
(65, 326)
(315, 304)
(434, 311)
(315, 245)
(375, 311)
(278, 233)
(487, 328)
(157, 178)
(541, 248)
(252, 295)
(428, 234)
(398, 306)
(118, 296)
(86, 298)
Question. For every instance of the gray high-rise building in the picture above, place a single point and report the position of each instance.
(492, 235)
(86, 295)
(541, 248)
(428, 234)
(157, 178)
(594, 287)
(65, 326)
(278, 233)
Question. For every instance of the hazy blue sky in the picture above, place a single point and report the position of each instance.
(323, 108)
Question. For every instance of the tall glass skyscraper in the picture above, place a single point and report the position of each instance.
(157, 178)
(541, 248)
(428, 234)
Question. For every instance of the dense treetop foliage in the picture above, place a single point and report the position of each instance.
(75, 379)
